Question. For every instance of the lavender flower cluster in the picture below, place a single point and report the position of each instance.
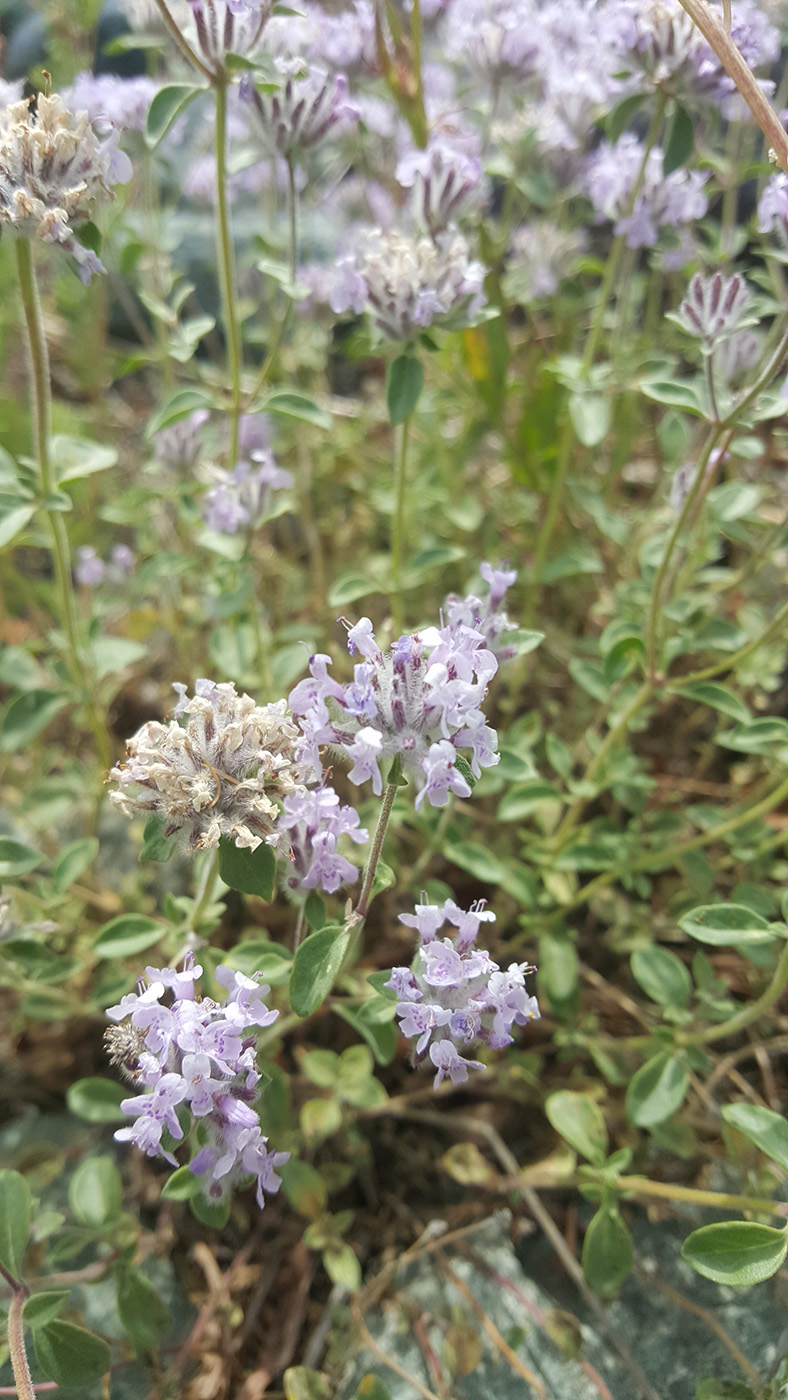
(315, 822)
(91, 570)
(200, 1054)
(454, 995)
(419, 703)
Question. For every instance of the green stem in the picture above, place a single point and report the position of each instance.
(563, 462)
(226, 257)
(204, 893)
(731, 661)
(42, 421)
(692, 495)
(749, 1014)
(616, 731)
(398, 523)
(617, 251)
(718, 1200)
(298, 931)
(360, 911)
(182, 42)
(671, 855)
(292, 244)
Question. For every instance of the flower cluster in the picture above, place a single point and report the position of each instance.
(303, 111)
(663, 201)
(420, 703)
(242, 496)
(454, 995)
(540, 256)
(91, 570)
(407, 284)
(314, 822)
(447, 185)
(486, 614)
(53, 171)
(198, 1053)
(123, 102)
(221, 774)
(226, 26)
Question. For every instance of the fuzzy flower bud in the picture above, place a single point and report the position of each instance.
(53, 172)
(447, 185)
(303, 111)
(222, 773)
(715, 306)
(407, 284)
(226, 26)
(314, 822)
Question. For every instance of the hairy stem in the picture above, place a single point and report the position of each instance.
(718, 1200)
(42, 421)
(226, 255)
(720, 41)
(749, 1014)
(16, 1337)
(398, 523)
(360, 911)
(732, 660)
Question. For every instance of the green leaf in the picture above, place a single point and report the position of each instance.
(679, 140)
(607, 1251)
(579, 1120)
(175, 407)
(590, 415)
(304, 1188)
(677, 393)
(155, 845)
(558, 966)
(41, 1308)
(768, 1130)
(250, 872)
(271, 960)
(166, 107)
(214, 1215)
(404, 383)
(656, 1090)
(146, 1319)
(26, 716)
(477, 860)
(291, 405)
(96, 1100)
(127, 934)
(69, 1355)
(13, 521)
(736, 1252)
(14, 1220)
(621, 658)
(374, 1021)
(726, 924)
(76, 457)
(617, 120)
(342, 1266)
(73, 861)
(757, 736)
(16, 858)
(300, 1382)
(662, 976)
(317, 963)
(95, 1191)
(181, 1185)
(349, 587)
(718, 697)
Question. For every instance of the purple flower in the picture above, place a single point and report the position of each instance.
(664, 201)
(454, 994)
(194, 1051)
(419, 703)
(315, 821)
(89, 570)
(303, 111)
(407, 284)
(226, 26)
(715, 306)
(179, 445)
(448, 185)
(773, 208)
(242, 496)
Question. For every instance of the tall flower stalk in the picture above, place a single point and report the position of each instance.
(226, 254)
(42, 425)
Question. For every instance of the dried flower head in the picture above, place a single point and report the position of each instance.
(53, 172)
(222, 773)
